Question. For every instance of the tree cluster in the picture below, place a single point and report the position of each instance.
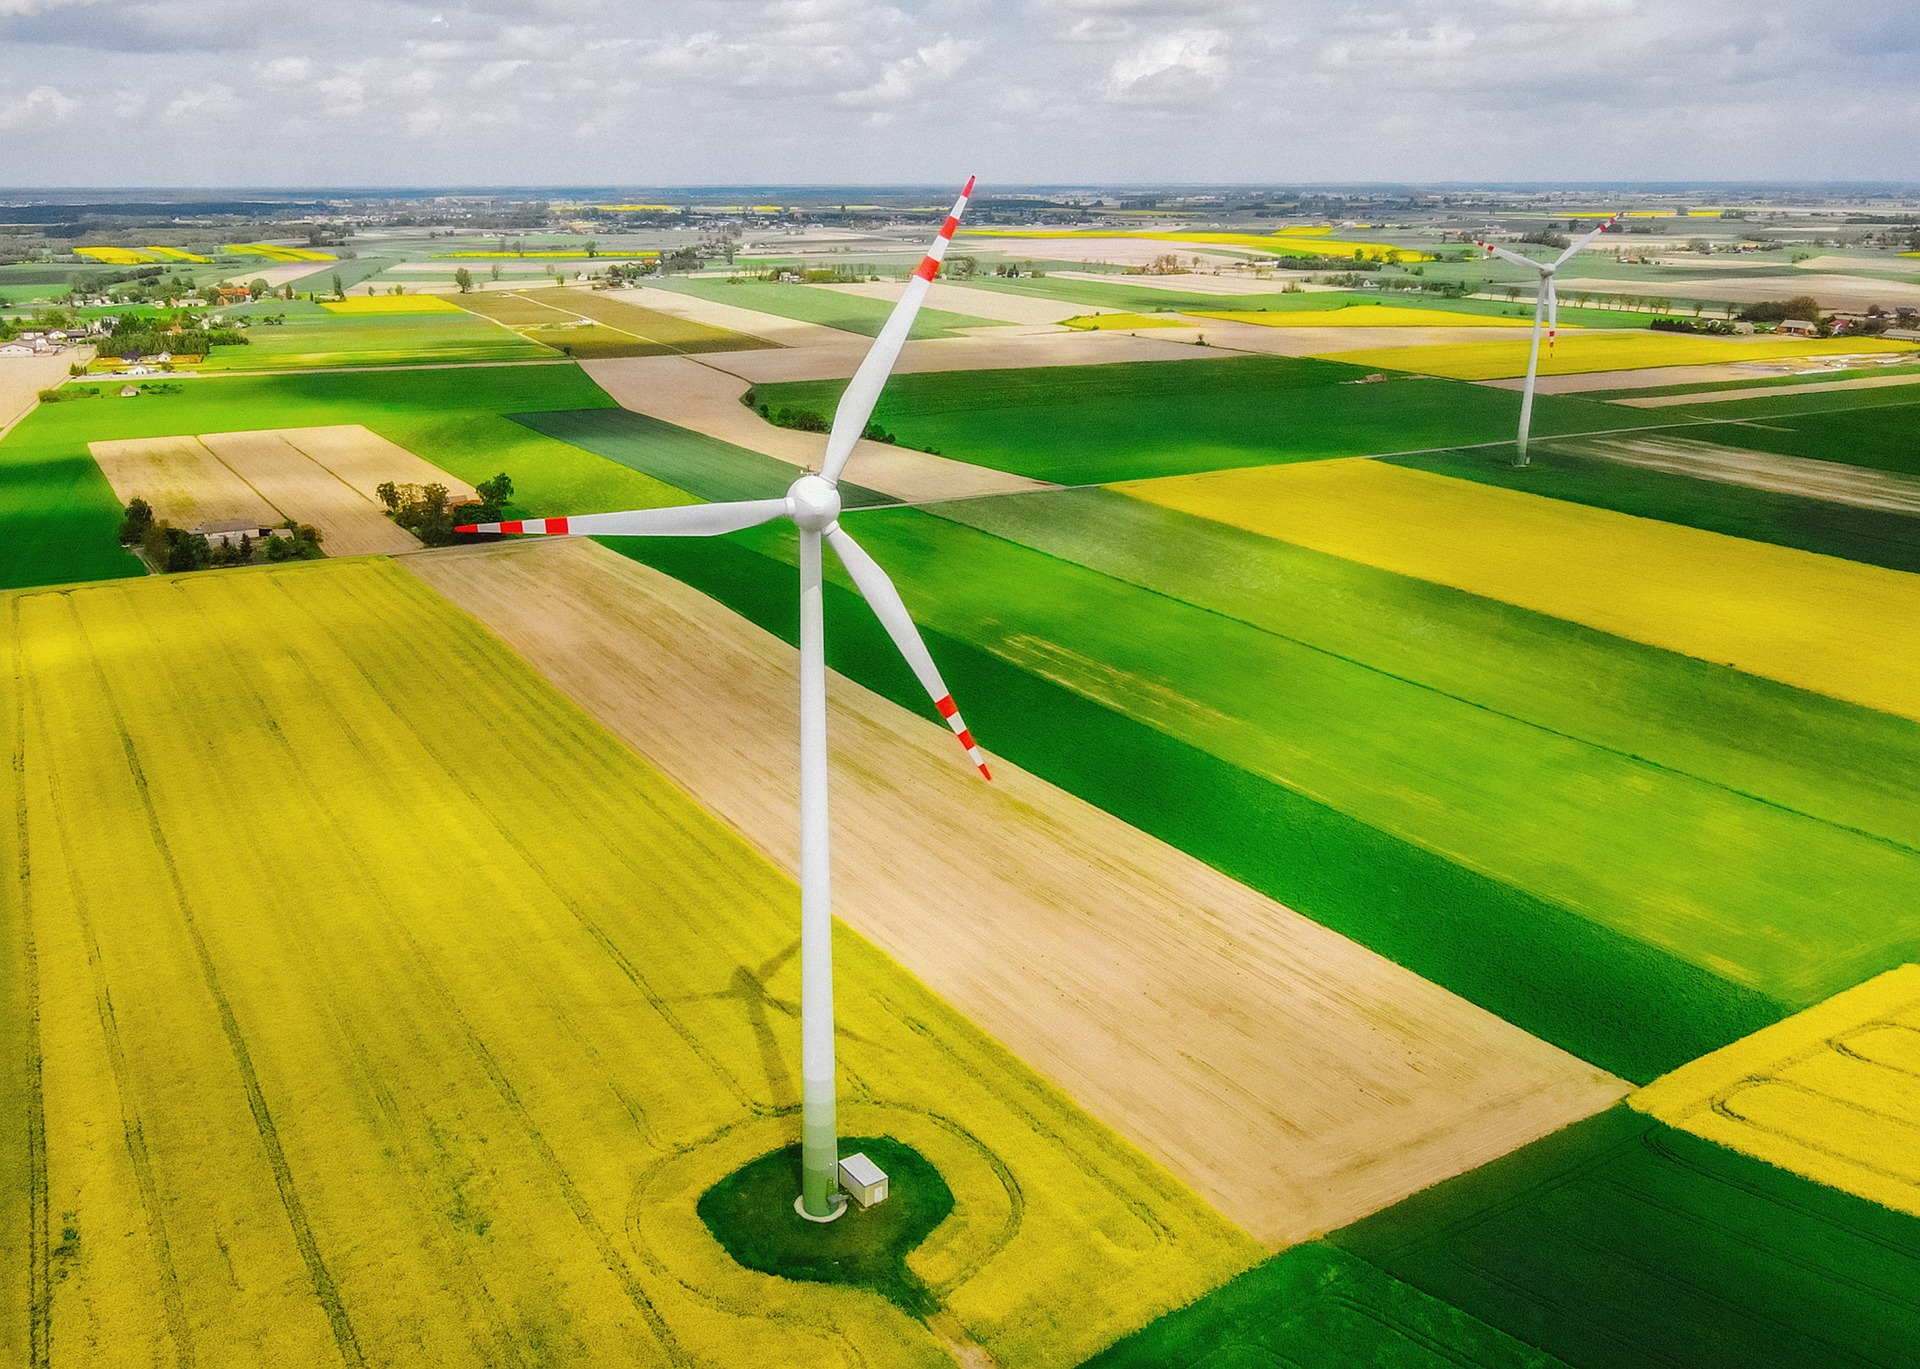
(1779, 311)
(811, 420)
(170, 549)
(425, 510)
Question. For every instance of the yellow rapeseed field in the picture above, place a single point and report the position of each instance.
(378, 1007)
(392, 304)
(176, 254)
(1832, 1093)
(273, 252)
(1307, 242)
(1833, 626)
(114, 256)
(1612, 350)
(1366, 316)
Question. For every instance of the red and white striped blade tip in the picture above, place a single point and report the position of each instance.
(548, 527)
(951, 712)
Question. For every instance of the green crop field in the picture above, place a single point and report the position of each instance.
(690, 461)
(1095, 424)
(1317, 1307)
(1120, 293)
(1619, 1243)
(1434, 722)
(312, 337)
(811, 304)
(60, 517)
(1559, 469)
(429, 1060)
(1878, 429)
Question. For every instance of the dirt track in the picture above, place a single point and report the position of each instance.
(681, 390)
(1293, 1078)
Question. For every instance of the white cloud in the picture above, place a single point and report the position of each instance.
(41, 105)
(1170, 66)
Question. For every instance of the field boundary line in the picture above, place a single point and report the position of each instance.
(324, 1287)
(39, 1229)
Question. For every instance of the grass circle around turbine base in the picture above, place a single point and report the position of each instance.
(751, 1214)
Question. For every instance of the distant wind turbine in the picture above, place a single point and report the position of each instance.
(813, 504)
(1546, 303)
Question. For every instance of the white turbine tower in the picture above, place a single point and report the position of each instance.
(1546, 302)
(813, 503)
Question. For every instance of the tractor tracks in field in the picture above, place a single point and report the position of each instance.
(324, 1287)
(39, 1281)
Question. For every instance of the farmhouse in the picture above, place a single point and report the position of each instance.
(16, 349)
(1798, 327)
(223, 531)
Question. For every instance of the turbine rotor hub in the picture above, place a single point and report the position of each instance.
(815, 503)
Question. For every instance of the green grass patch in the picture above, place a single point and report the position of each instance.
(750, 1212)
(1316, 1305)
(812, 304)
(1619, 1243)
(312, 337)
(1135, 420)
(701, 465)
(61, 521)
(1613, 1000)
(1558, 470)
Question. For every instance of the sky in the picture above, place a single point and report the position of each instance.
(240, 93)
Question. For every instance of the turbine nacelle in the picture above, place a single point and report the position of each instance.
(813, 503)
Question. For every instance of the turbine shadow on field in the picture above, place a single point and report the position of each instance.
(748, 987)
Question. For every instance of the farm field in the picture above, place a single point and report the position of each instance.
(1317, 1305)
(1134, 420)
(1587, 471)
(1875, 429)
(245, 1163)
(324, 476)
(1281, 244)
(1598, 351)
(21, 381)
(452, 418)
(700, 398)
(588, 324)
(1619, 1243)
(1834, 627)
(1141, 960)
(322, 335)
(1364, 316)
(1829, 1093)
(832, 308)
(1366, 800)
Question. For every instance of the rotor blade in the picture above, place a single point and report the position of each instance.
(892, 613)
(1553, 311)
(687, 520)
(1579, 243)
(863, 392)
(1513, 257)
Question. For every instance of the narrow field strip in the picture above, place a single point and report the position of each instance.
(1835, 627)
(1832, 1093)
(1125, 939)
(1597, 350)
(458, 1022)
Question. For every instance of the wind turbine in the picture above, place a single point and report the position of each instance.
(1546, 302)
(812, 503)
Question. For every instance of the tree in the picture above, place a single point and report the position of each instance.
(496, 270)
(258, 286)
(139, 518)
(464, 279)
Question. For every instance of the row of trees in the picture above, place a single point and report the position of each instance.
(170, 549)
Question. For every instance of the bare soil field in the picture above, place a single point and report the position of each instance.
(1828, 480)
(1267, 282)
(323, 476)
(277, 276)
(22, 379)
(1833, 292)
(688, 393)
(184, 482)
(1295, 1079)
